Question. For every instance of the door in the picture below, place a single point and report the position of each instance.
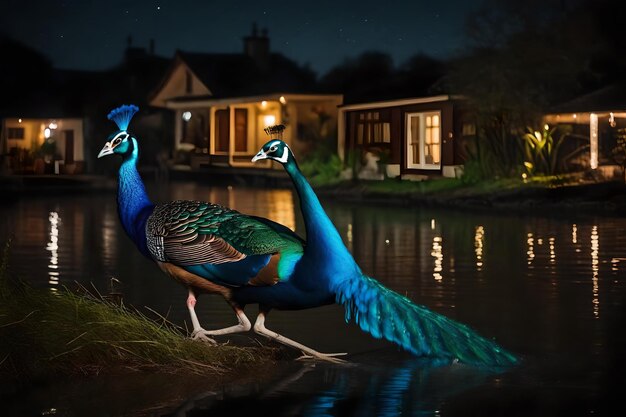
(69, 146)
(423, 140)
(241, 130)
(222, 130)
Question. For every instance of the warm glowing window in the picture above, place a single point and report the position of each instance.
(423, 142)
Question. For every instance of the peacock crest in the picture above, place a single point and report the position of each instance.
(275, 132)
(123, 115)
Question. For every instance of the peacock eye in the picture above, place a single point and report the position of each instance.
(117, 141)
(273, 149)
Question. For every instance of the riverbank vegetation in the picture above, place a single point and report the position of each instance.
(548, 193)
(46, 334)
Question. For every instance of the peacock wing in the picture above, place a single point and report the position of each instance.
(186, 233)
(191, 233)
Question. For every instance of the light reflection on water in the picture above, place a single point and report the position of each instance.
(53, 247)
(541, 286)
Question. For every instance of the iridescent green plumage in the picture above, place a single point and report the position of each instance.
(196, 232)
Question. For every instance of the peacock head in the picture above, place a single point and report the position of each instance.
(277, 150)
(120, 142)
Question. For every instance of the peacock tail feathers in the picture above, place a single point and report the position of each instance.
(123, 115)
(386, 314)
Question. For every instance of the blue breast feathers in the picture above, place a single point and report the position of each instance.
(232, 274)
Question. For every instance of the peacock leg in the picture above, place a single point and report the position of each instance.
(307, 352)
(200, 334)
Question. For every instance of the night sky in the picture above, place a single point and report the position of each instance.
(93, 34)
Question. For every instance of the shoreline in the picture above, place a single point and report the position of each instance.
(606, 198)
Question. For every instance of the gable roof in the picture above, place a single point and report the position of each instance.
(237, 75)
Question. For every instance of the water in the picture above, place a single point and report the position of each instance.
(548, 286)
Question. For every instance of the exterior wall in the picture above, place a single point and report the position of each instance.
(396, 149)
(176, 86)
(300, 115)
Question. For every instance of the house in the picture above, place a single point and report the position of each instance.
(223, 103)
(40, 131)
(43, 145)
(592, 121)
(415, 138)
(54, 120)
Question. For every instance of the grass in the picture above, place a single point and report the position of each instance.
(45, 334)
(449, 187)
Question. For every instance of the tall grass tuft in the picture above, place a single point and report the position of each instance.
(44, 334)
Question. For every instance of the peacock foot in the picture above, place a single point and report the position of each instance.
(203, 336)
(326, 357)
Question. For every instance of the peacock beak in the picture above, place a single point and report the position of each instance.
(107, 150)
(261, 155)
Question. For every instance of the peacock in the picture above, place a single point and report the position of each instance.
(206, 247)
(327, 268)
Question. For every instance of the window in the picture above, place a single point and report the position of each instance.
(15, 132)
(373, 127)
(423, 131)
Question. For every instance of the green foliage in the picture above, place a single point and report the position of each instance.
(321, 167)
(495, 152)
(542, 154)
(541, 151)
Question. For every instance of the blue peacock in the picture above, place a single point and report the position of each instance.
(327, 267)
(206, 247)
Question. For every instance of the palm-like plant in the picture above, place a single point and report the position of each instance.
(541, 151)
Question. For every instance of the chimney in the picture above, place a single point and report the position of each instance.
(258, 48)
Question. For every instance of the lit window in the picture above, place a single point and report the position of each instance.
(373, 128)
(424, 140)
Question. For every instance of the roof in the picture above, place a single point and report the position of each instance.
(209, 100)
(399, 102)
(609, 98)
(237, 75)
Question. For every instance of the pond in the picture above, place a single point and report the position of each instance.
(548, 286)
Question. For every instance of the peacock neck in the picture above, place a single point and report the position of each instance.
(133, 204)
(322, 237)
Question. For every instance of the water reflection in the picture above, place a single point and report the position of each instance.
(530, 253)
(437, 253)
(53, 247)
(479, 237)
(595, 268)
(415, 387)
